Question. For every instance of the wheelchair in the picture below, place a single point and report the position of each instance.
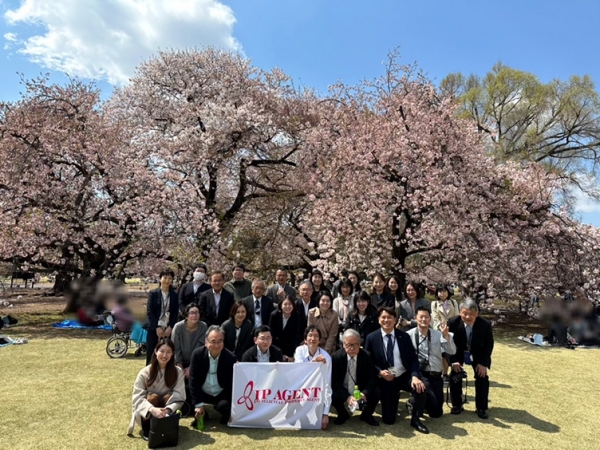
(121, 341)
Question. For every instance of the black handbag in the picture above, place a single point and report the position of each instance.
(164, 432)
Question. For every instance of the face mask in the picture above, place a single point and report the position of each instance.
(199, 276)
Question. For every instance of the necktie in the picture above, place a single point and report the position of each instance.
(256, 307)
(469, 331)
(390, 351)
(351, 375)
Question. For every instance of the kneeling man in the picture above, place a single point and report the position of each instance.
(211, 375)
(351, 368)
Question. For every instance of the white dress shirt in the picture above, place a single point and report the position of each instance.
(397, 360)
(302, 355)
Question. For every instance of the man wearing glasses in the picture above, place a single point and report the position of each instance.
(263, 351)
(211, 375)
(352, 368)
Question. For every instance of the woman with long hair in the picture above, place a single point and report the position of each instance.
(394, 289)
(408, 306)
(363, 317)
(342, 305)
(354, 278)
(159, 388)
(238, 330)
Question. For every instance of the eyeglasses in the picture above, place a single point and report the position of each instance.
(265, 338)
(215, 342)
(351, 345)
(193, 313)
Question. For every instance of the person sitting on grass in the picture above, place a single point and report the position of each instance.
(159, 388)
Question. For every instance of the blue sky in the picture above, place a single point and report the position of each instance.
(316, 42)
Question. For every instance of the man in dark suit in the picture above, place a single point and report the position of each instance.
(215, 304)
(474, 344)
(305, 303)
(281, 289)
(211, 375)
(263, 351)
(190, 292)
(353, 367)
(258, 306)
(396, 360)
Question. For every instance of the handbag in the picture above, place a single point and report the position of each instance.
(164, 432)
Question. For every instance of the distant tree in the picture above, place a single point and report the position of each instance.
(523, 119)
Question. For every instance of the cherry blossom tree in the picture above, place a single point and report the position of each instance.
(397, 181)
(76, 195)
(223, 133)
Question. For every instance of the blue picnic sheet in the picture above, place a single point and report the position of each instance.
(71, 323)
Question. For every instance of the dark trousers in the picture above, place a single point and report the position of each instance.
(482, 390)
(390, 395)
(222, 404)
(435, 394)
(338, 402)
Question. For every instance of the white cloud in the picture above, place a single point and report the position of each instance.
(107, 39)
(585, 204)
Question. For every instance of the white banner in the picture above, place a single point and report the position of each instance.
(278, 395)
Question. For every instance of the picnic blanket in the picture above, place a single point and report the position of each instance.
(535, 339)
(70, 323)
(6, 341)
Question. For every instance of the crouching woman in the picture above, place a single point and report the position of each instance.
(159, 388)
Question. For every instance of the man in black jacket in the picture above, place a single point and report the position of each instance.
(215, 304)
(211, 375)
(258, 306)
(190, 292)
(263, 351)
(474, 344)
(351, 368)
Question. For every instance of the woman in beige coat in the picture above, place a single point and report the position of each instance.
(159, 388)
(326, 320)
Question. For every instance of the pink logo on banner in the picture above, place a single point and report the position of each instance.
(246, 399)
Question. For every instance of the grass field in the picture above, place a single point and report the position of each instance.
(61, 391)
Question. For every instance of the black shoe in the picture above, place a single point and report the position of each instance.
(341, 419)
(418, 425)
(369, 421)
(482, 414)
(456, 410)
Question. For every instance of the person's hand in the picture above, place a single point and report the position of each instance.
(405, 323)
(481, 370)
(325, 422)
(320, 359)
(351, 401)
(417, 385)
(199, 412)
(159, 413)
(281, 294)
(160, 332)
(444, 330)
(186, 373)
(456, 367)
(168, 332)
(386, 375)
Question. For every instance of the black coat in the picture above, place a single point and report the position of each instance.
(288, 338)
(482, 341)
(366, 373)
(187, 296)
(154, 308)
(208, 311)
(387, 299)
(266, 308)
(303, 318)
(364, 328)
(408, 354)
(199, 367)
(275, 354)
(245, 340)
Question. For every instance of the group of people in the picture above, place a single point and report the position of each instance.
(375, 342)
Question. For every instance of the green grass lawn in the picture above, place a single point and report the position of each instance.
(64, 392)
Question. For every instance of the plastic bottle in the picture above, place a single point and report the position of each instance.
(200, 423)
(356, 393)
